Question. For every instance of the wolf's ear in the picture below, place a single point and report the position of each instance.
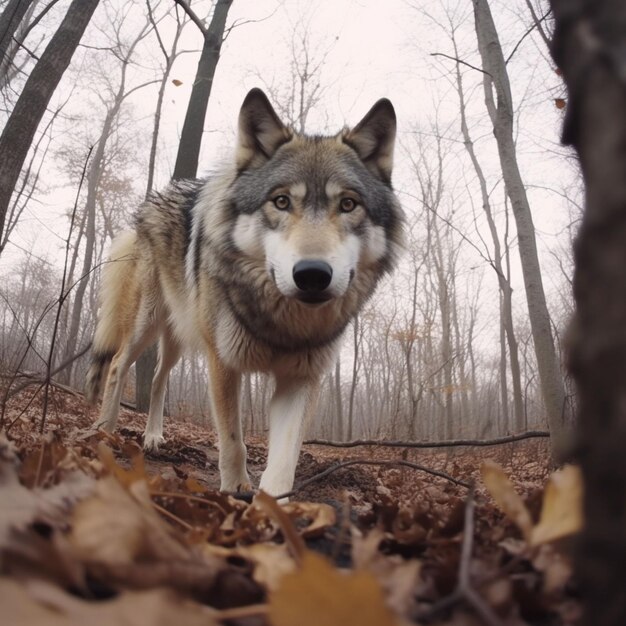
(373, 139)
(261, 132)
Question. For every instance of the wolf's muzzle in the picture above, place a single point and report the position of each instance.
(312, 277)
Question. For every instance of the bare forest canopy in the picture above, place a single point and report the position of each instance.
(463, 341)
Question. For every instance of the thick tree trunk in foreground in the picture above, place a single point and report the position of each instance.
(588, 46)
(30, 107)
(502, 114)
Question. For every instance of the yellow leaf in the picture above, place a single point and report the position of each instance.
(503, 492)
(561, 513)
(319, 594)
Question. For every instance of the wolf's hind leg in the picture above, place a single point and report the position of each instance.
(224, 386)
(169, 353)
(293, 404)
(143, 335)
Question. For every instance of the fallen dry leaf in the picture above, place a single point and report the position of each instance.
(397, 576)
(42, 603)
(270, 561)
(556, 567)
(562, 510)
(117, 525)
(317, 593)
(322, 516)
(22, 507)
(502, 491)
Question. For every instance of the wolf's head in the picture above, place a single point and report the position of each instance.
(317, 210)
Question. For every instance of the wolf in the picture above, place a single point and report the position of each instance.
(262, 266)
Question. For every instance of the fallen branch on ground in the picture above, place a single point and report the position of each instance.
(391, 464)
(531, 434)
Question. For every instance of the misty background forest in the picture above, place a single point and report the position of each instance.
(464, 340)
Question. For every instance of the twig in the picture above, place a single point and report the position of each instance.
(464, 589)
(163, 511)
(457, 60)
(531, 434)
(397, 463)
(186, 496)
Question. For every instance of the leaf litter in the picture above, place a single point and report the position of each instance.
(91, 531)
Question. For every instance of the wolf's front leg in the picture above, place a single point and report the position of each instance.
(224, 385)
(291, 409)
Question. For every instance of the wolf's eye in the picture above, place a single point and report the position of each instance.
(282, 202)
(347, 205)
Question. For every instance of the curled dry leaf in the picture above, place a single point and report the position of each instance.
(502, 491)
(22, 507)
(117, 526)
(317, 593)
(562, 510)
(42, 603)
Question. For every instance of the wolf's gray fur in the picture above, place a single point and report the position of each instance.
(262, 266)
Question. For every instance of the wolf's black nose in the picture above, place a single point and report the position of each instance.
(312, 276)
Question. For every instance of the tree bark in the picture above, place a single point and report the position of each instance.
(30, 107)
(191, 136)
(501, 114)
(10, 21)
(588, 46)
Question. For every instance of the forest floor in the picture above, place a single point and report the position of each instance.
(91, 531)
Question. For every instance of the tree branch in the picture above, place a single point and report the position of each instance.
(457, 60)
(452, 443)
(193, 17)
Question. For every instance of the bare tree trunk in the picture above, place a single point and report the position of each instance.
(191, 136)
(504, 387)
(30, 107)
(10, 21)
(501, 113)
(355, 375)
(588, 45)
(506, 303)
(338, 401)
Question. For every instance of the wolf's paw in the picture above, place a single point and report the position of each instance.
(241, 484)
(151, 442)
(276, 485)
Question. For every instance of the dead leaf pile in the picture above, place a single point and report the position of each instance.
(91, 532)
